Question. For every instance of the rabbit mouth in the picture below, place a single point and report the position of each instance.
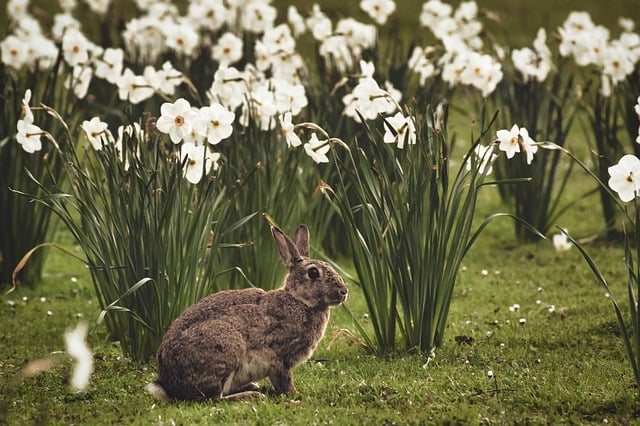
(338, 297)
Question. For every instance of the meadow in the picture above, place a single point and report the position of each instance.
(529, 335)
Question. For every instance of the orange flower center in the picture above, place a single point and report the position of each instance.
(179, 120)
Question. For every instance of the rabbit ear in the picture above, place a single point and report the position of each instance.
(287, 248)
(302, 240)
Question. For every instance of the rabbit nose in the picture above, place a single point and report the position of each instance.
(343, 291)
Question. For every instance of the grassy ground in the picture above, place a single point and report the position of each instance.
(566, 366)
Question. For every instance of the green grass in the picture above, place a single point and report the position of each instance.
(566, 366)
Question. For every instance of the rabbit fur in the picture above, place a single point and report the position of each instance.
(219, 346)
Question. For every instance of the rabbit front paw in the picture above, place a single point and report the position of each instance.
(282, 381)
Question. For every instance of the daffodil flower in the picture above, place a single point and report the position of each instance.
(509, 140)
(317, 149)
(176, 119)
(625, 177)
(288, 130)
(97, 132)
(197, 161)
(29, 136)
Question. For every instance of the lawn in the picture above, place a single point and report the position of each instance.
(531, 336)
(558, 358)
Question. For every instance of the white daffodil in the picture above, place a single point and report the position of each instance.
(79, 80)
(561, 242)
(228, 50)
(528, 144)
(176, 119)
(257, 17)
(28, 136)
(378, 10)
(509, 140)
(317, 149)
(97, 132)
(109, 65)
(288, 130)
(134, 88)
(484, 158)
(26, 113)
(197, 161)
(400, 130)
(75, 47)
(625, 177)
(214, 122)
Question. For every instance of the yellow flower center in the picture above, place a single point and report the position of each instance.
(178, 121)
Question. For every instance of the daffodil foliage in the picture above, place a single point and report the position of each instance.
(409, 219)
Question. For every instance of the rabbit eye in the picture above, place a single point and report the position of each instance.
(313, 273)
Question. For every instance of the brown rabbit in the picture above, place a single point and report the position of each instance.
(219, 346)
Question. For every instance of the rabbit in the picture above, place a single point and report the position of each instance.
(218, 347)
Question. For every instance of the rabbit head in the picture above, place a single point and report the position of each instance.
(313, 282)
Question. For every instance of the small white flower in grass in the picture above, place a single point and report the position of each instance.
(490, 374)
(484, 272)
(509, 140)
(625, 177)
(288, 130)
(317, 149)
(176, 119)
(28, 136)
(197, 161)
(77, 348)
(97, 132)
(400, 130)
(214, 122)
(514, 307)
(378, 10)
(522, 321)
(561, 242)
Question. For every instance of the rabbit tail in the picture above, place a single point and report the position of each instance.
(158, 392)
